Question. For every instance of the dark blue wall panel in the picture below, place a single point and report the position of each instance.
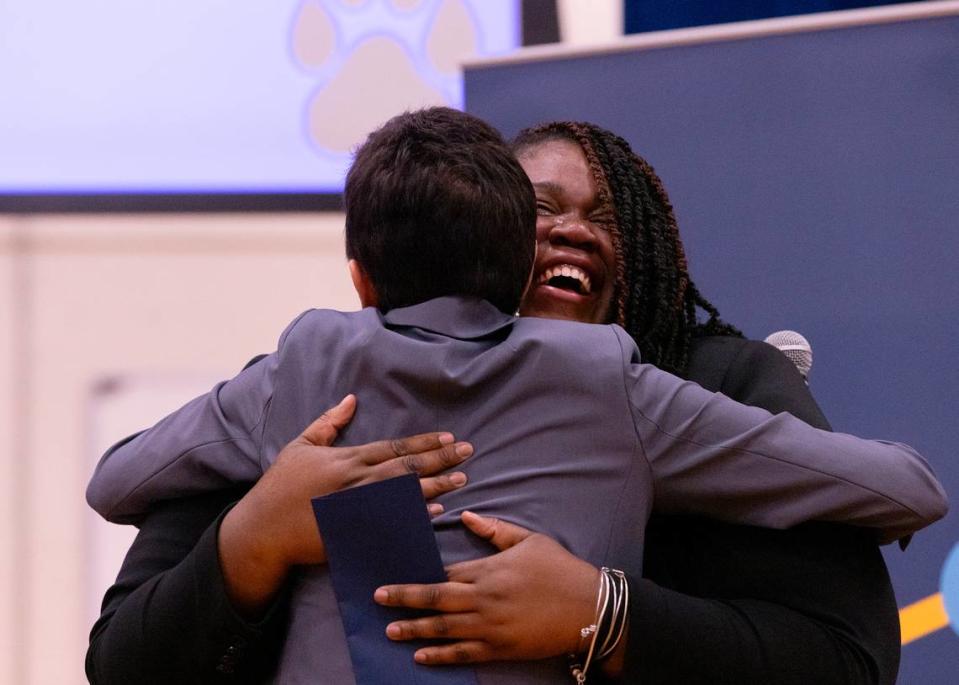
(816, 181)
(656, 15)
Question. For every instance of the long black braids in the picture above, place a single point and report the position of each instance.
(656, 301)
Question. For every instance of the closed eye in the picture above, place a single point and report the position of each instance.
(545, 209)
(604, 218)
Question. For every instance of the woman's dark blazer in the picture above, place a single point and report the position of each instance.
(809, 605)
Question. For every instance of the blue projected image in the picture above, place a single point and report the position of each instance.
(111, 97)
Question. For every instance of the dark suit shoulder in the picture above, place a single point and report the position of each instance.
(754, 373)
(710, 357)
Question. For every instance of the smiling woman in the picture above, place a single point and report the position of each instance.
(812, 604)
(575, 273)
(602, 209)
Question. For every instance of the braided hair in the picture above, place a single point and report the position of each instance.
(655, 300)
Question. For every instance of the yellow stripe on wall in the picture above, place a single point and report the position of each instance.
(923, 617)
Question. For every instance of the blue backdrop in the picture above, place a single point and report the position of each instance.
(655, 15)
(815, 180)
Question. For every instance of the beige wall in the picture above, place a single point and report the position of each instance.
(8, 459)
(159, 304)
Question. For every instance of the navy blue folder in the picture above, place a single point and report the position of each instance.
(375, 535)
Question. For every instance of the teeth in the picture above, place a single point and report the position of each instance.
(569, 271)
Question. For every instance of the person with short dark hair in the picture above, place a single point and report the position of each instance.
(431, 199)
(573, 434)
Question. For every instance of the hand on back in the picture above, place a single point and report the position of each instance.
(527, 602)
(273, 528)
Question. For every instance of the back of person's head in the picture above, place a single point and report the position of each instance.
(436, 204)
(656, 300)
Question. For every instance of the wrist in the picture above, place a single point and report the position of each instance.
(586, 614)
(612, 666)
(604, 639)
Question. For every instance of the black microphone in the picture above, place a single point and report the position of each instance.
(796, 348)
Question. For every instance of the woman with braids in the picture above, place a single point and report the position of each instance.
(719, 603)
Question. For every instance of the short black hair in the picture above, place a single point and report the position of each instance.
(436, 204)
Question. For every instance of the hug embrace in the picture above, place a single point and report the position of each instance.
(606, 400)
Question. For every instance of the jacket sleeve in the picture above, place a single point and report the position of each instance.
(209, 444)
(212, 443)
(713, 456)
(167, 619)
(821, 608)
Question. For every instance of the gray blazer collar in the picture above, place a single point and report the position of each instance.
(456, 317)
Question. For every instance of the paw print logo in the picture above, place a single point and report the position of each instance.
(374, 58)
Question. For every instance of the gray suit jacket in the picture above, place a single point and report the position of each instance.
(574, 437)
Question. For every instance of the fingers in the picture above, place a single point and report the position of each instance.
(437, 485)
(426, 463)
(501, 533)
(324, 430)
(441, 626)
(439, 596)
(384, 450)
(465, 652)
(469, 571)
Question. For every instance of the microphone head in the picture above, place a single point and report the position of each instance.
(796, 348)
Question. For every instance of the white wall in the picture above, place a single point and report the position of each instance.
(88, 304)
(590, 22)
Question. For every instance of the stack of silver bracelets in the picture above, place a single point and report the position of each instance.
(601, 638)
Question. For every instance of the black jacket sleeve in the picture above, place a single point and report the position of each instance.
(167, 618)
(733, 604)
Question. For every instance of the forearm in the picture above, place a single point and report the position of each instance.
(820, 601)
(252, 575)
(210, 443)
(676, 638)
(743, 465)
